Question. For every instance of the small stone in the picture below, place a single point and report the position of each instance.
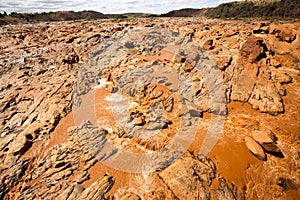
(157, 126)
(187, 67)
(286, 184)
(139, 121)
(176, 58)
(208, 45)
(195, 113)
(261, 28)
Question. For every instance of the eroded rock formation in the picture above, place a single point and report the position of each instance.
(46, 154)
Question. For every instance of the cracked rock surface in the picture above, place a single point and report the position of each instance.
(46, 154)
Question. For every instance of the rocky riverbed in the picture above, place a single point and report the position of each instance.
(55, 134)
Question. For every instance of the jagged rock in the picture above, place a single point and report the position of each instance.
(275, 63)
(157, 94)
(37, 78)
(251, 80)
(244, 80)
(245, 73)
(284, 40)
(8, 182)
(20, 145)
(255, 148)
(71, 58)
(16, 148)
(98, 188)
(176, 58)
(168, 103)
(279, 76)
(195, 113)
(265, 96)
(261, 28)
(61, 175)
(186, 178)
(139, 121)
(224, 193)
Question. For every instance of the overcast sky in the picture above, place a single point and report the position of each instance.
(105, 6)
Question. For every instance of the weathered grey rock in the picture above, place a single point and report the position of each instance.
(223, 193)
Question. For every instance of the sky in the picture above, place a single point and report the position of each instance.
(105, 6)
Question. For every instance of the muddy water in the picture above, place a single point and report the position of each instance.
(58, 136)
(237, 164)
(231, 156)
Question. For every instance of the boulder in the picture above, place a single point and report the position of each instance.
(266, 139)
(285, 34)
(186, 178)
(255, 148)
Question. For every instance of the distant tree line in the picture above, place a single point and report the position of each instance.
(249, 9)
(240, 9)
(4, 14)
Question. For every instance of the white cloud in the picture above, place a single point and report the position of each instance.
(105, 6)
